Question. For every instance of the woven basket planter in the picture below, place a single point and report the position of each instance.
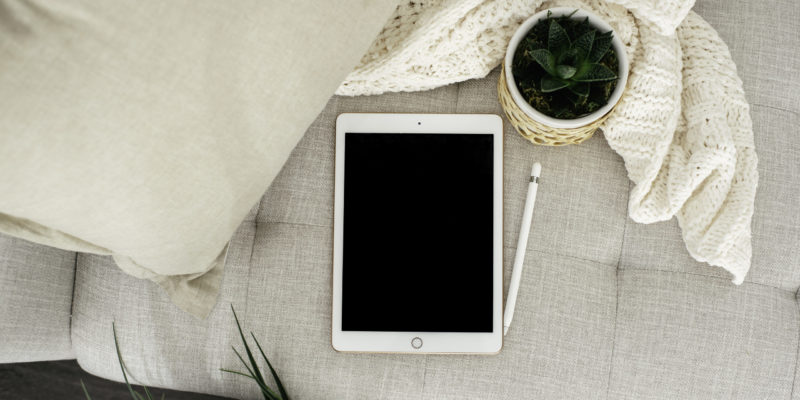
(537, 131)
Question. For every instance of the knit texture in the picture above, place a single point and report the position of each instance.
(682, 127)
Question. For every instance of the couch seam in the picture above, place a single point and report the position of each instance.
(457, 108)
(250, 259)
(293, 223)
(552, 253)
(777, 108)
(72, 301)
(557, 254)
(712, 277)
(797, 352)
(255, 233)
(616, 305)
(424, 378)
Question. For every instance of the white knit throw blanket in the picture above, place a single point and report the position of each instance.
(682, 126)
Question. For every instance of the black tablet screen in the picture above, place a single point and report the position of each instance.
(418, 224)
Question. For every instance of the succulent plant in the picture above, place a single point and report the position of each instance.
(565, 67)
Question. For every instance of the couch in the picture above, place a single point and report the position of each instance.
(607, 308)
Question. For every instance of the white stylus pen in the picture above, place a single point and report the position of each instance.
(522, 245)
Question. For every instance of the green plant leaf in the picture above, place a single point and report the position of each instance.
(595, 73)
(544, 58)
(230, 371)
(122, 364)
(580, 89)
(268, 393)
(86, 392)
(583, 44)
(256, 372)
(582, 70)
(585, 23)
(147, 393)
(264, 390)
(272, 370)
(551, 84)
(568, 57)
(565, 71)
(246, 366)
(600, 47)
(557, 38)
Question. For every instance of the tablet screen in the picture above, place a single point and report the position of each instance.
(417, 232)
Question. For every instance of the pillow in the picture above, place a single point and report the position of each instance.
(147, 130)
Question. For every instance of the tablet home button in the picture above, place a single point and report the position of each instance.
(416, 342)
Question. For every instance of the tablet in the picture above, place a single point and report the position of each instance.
(418, 226)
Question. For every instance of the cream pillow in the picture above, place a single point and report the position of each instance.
(147, 130)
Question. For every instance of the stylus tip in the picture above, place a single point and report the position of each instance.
(505, 330)
(536, 170)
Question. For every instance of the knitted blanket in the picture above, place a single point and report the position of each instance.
(682, 126)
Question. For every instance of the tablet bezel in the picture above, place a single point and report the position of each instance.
(432, 342)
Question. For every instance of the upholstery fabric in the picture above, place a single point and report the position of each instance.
(607, 308)
(148, 130)
(605, 304)
(36, 285)
(734, 343)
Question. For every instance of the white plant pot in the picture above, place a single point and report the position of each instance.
(598, 23)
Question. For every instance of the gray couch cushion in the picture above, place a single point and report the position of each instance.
(685, 336)
(560, 343)
(36, 285)
(608, 308)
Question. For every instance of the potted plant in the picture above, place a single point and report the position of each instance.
(564, 71)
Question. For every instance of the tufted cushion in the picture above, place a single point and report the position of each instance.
(36, 285)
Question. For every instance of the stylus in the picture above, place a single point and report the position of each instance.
(522, 245)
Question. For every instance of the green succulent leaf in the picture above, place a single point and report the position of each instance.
(565, 71)
(600, 47)
(557, 38)
(546, 59)
(583, 69)
(580, 89)
(594, 73)
(583, 45)
(551, 84)
(568, 56)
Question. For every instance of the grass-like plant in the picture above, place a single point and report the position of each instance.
(253, 371)
(134, 394)
(565, 67)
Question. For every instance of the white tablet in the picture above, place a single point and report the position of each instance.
(418, 226)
